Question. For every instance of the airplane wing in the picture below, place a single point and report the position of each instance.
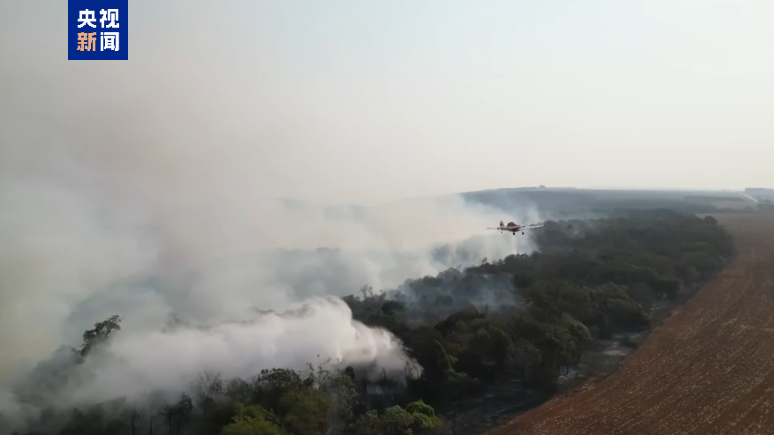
(533, 226)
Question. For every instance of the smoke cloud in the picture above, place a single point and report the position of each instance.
(155, 192)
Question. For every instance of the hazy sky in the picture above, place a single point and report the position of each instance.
(118, 175)
(371, 101)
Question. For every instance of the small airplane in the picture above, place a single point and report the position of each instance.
(514, 227)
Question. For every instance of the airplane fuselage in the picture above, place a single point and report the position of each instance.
(513, 227)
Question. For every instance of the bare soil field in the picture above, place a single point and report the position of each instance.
(708, 369)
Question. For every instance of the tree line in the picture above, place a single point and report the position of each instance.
(523, 318)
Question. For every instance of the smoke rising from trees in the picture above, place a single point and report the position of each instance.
(163, 203)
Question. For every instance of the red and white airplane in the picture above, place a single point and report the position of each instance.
(514, 227)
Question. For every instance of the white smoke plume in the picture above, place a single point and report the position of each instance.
(150, 190)
(234, 349)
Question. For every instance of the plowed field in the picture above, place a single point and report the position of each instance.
(709, 368)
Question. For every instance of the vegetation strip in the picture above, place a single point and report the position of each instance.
(507, 329)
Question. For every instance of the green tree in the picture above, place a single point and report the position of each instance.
(99, 334)
(369, 424)
(252, 420)
(424, 418)
(397, 421)
(579, 332)
(524, 356)
(304, 411)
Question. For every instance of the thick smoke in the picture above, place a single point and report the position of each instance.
(173, 358)
(135, 191)
(79, 247)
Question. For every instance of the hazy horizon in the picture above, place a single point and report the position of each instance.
(370, 102)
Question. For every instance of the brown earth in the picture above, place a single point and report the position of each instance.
(709, 368)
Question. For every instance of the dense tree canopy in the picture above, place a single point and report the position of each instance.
(522, 317)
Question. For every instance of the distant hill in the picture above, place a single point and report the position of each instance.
(567, 200)
(563, 200)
